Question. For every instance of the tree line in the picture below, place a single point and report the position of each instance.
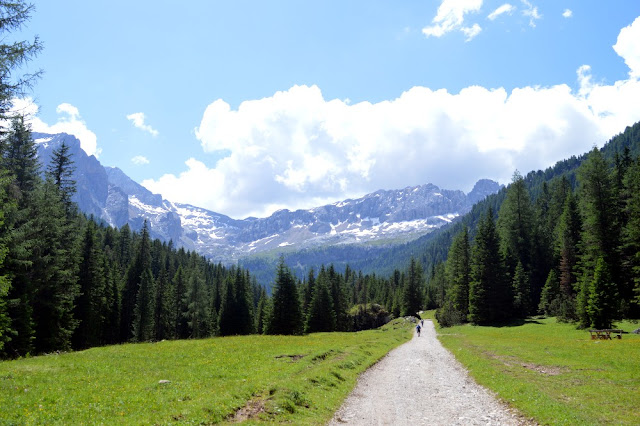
(572, 252)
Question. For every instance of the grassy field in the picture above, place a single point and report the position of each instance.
(552, 372)
(300, 380)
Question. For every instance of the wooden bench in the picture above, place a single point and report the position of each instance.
(605, 334)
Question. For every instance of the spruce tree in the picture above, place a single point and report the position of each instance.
(321, 315)
(550, 298)
(459, 272)
(602, 303)
(521, 292)
(412, 292)
(61, 171)
(181, 328)
(143, 316)
(490, 295)
(286, 316)
(196, 301)
(91, 306)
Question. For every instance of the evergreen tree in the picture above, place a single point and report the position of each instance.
(321, 316)
(459, 272)
(412, 292)
(141, 264)
(521, 292)
(490, 296)
(602, 304)
(515, 225)
(550, 298)
(262, 311)
(196, 301)
(631, 234)
(601, 233)
(61, 171)
(180, 317)
(143, 318)
(5, 283)
(91, 306)
(286, 316)
(162, 312)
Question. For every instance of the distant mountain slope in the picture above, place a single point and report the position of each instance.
(385, 217)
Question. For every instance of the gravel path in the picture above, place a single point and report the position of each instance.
(421, 383)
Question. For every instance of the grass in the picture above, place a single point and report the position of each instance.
(552, 372)
(294, 379)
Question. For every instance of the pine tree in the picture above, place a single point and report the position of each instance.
(143, 318)
(459, 272)
(321, 316)
(5, 283)
(286, 316)
(180, 289)
(412, 292)
(521, 292)
(490, 296)
(262, 311)
(141, 264)
(602, 303)
(551, 296)
(91, 306)
(631, 233)
(515, 225)
(196, 301)
(61, 171)
(599, 207)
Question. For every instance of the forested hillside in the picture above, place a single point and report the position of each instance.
(564, 242)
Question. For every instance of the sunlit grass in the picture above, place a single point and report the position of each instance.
(552, 372)
(297, 379)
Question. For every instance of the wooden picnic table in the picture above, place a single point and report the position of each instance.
(605, 334)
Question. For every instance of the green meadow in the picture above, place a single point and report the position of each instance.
(552, 372)
(293, 379)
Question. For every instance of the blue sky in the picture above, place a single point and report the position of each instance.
(245, 107)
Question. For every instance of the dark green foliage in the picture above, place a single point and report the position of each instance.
(490, 295)
(550, 298)
(602, 301)
(459, 272)
(286, 316)
(61, 170)
(321, 315)
(412, 292)
(91, 307)
(196, 301)
(521, 292)
(143, 318)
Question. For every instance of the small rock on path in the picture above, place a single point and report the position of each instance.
(421, 383)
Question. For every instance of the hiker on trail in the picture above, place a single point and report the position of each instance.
(418, 329)
(422, 323)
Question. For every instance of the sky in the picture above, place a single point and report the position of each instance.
(247, 107)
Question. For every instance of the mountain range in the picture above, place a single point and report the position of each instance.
(383, 217)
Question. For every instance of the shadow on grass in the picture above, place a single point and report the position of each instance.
(513, 323)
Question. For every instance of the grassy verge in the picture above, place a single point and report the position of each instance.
(553, 372)
(295, 379)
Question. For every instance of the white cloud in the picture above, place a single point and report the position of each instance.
(138, 118)
(505, 8)
(471, 32)
(450, 16)
(568, 13)
(69, 122)
(531, 12)
(140, 160)
(300, 150)
(628, 48)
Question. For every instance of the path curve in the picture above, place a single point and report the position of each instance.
(421, 383)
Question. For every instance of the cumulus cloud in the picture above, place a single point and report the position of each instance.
(296, 149)
(140, 160)
(69, 122)
(568, 13)
(532, 12)
(627, 47)
(450, 16)
(138, 120)
(505, 8)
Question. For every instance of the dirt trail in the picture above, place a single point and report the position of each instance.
(421, 383)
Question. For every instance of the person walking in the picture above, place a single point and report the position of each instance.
(418, 329)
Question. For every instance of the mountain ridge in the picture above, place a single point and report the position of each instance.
(390, 216)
